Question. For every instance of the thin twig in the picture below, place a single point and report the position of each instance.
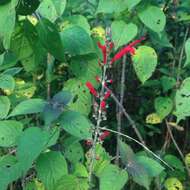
(120, 113)
(139, 143)
(132, 123)
(181, 55)
(177, 147)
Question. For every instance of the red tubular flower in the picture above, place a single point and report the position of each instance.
(104, 135)
(107, 94)
(91, 89)
(104, 52)
(127, 49)
(103, 104)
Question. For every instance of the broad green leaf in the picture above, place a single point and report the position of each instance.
(77, 20)
(26, 46)
(55, 106)
(127, 154)
(135, 169)
(7, 82)
(50, 38)
(174, 162)
(132, 3)
(76, 124)
(4, 106)
(76, 41)
(7, 22)
(111, 177)
(28, 107)
(110, 6)
(167, 83)
(81, 97)
(27, 7)
(73, 150)
(187, 51)
(103, 159)
(85, 68)
(7, 160)
(152, 167)
(51, 166)
(30, 145)
(153, 17)
(182, 100)
(144, 62)
(123, 33)
(72, 182)
(163, 106)
(80, 170)
(10, 131)
(52, 9)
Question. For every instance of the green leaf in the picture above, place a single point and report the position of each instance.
(152, 167)
(28, 107)
(10, 131)
(76, 41)
(187, 51)
(76, 124)
(144, 62)
(111, 177)
(52, 9)
(163, 106)
(174, 162)
(7, 160)
(7, 22)
(72, 182)
(34, 185)
(153, 17)
(132, 3)
(167, 83)
(85, 68)
(73, 150)
(51, 166)
(4, 106)
(7, 82)
(135, 169)
(26, 46)
(81, 97)
(77, 20)
(110, 6)
(80, 170)
(123, 33)
(182, 100)
(32, 142)
(50, 38)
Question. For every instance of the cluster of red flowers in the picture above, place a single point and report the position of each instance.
(106, 49)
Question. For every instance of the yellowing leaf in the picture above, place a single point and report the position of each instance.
(32, 19)
(99, 32)
(173, 184)
(153, 118)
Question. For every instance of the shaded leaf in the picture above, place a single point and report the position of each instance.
(4, 106)
(28, 107)
(76, 124)
(51, 166)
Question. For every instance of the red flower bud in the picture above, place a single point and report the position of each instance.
(104, 135)
(103, 104)
(88, 142)
(104, 52)
(107, 94)
(91, 89)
